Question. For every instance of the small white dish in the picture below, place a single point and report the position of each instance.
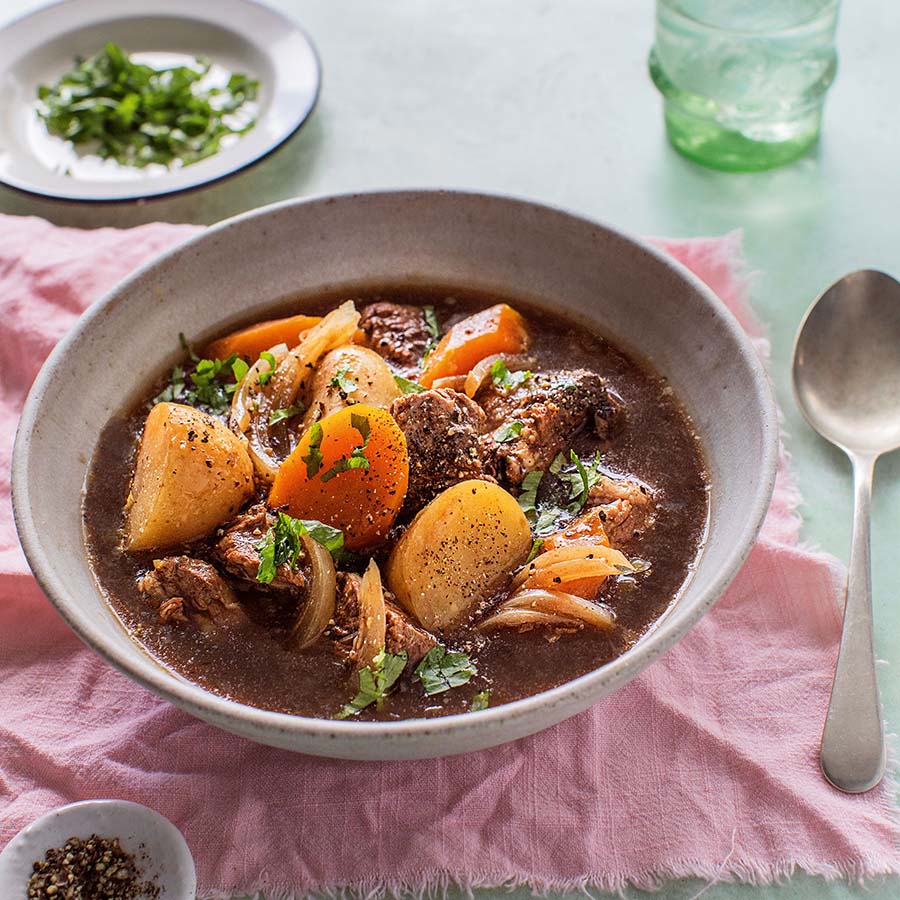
(236, 35)
(160, 847)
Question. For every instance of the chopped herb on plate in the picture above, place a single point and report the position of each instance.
(138, 115)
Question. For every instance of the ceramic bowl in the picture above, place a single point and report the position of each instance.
(245, 266)
(160, 849)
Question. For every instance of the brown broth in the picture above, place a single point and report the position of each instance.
(253, 665)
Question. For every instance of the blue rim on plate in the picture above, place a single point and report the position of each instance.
(243, 35)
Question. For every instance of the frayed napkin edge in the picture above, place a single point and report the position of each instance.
(446, 886)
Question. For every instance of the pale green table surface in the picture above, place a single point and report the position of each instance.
(552, 101)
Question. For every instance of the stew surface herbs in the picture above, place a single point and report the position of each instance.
(412, 504)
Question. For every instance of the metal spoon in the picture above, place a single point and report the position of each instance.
(847, 382)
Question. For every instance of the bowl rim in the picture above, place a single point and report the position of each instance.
(243, 718)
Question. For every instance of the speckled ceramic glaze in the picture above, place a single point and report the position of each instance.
(244, 266)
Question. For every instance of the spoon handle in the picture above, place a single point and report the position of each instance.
(852, 754)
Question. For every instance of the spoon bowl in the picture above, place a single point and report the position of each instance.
(847, 382)
(847, 363)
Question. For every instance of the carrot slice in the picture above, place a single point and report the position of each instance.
(318, 480)
(588, 528)
(249, 342)
(498, 329)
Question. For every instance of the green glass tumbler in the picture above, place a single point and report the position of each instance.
(744, 81)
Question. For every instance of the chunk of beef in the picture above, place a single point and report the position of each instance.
(626, 507)
(397, 332)
(401, 633)
(442, 430)
(190, 590)
(550, 407)
(345, 622)
(236, 551)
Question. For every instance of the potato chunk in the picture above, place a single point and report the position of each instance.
(459, 549)
(191, 475)
(363, 371)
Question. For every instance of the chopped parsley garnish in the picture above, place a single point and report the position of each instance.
(313, 459)
(508, 431)
(528, 496)
(210, 386)
(173, 390)
(282, 544)
(357, 458)
(344, 384)
(535, 550)
(564, 489)
(442, 669)
(139, 115)
(270, 359)
(240, 370)
(433, 327)
(431, 322)
(582, 479)
(503, 378)
(331, 538)
(186, 346)
(482, 700)
(375, 681)
(407, 386)
(287, 412)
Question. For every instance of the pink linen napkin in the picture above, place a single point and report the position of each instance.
(705, 765)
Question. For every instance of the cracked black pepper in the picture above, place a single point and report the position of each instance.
(94, 869)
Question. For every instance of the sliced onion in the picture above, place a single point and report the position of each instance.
(253, 403)
(244, 397)
(481, 369)
(336, 329)
(584, 551)
(319, 608)
(372, 625)
(559, 603)
(516, 618)
(563, 572)
(543, 607)
(450, 382)
(616, 560)
(244, 406)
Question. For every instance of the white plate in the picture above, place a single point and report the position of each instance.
(238, 35)
(159, 846)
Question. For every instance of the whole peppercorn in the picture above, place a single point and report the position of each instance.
(93, 869)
